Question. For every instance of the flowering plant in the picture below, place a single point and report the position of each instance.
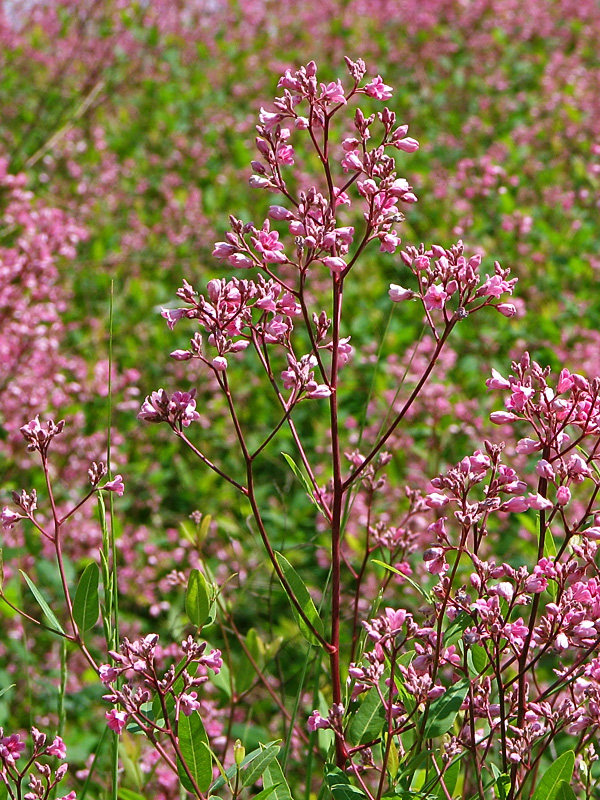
(448, 691)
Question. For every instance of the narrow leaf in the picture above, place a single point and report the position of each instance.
(86, 605)
(197, 598)
(443, 711)
(300, 475)
(415, 585)
(193, 742)
(262, 795)
(368, 721)
(561, 770)
(42, 603)
(273, 776)
(256, 768)
(564, 792)
(304, 599)
(231, 772)
(339, 785)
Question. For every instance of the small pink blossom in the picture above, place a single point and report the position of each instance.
(526, 446)
(407, 145)
(497, 381)
(189, 703)
(539, 503)
(11, 748)
(181, 355)
(501, 417)
(107, 673)
(316, 722)
(389, 242)
(116, 485)
(333, 92)
(57, 748)
(399, 293)
(592, 533)
(336, 264)
(435, 297)
(213, 661)
(506, 309)
(219, 363)
(436, 500)
(117, 720)
(9, 518)
(378, 89)
(563, 495)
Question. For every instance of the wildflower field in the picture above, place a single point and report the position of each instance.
(299, 399)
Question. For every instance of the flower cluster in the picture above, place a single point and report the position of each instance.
(136, 661)
(43, 782)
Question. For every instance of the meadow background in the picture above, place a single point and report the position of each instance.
(126, 132)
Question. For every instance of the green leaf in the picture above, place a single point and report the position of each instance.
(304, 600)
(450, 777)
(564, 792)
(42, 603)
(264, 793)
(256, 768)
(443, 710)
(415, 585)
(455, 630)
(273, 776)
(231, 772)
(368, 721)
(339, 785)
(393, 759)
(7, 688)
(86, 605)
(307, 487)
(558, 772)
(197, 599)
(193, 742)
(477, 660)
(129, 794)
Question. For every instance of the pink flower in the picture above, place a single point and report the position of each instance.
(9, 518)
(181, 355)
(336, 264)
(539, 503)
(172, 315)
(506, 309)
(497, 381)
(515, 504)
(57, 748)
(592, 533)
(224, 250)
(189, 703)
(399, 293)
(107, 673)
(213, 661)
(407, 145)
(11, 748)
(116, 485)
(526, 446)
(378, 89)
(435, 297)
(316, 721)
(268, 245)
(219, 363)
(389, 242)
(501, 417)
(285, 154)
(280, 213)
(436, 500)
(333, 92)
(351, 161)
(117, 720)
(563, 495)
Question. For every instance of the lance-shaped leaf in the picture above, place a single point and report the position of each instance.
(304, 599)
(443, 710)
(256, 767)
(193, 743)
(273, 776)
(368, 721)
(197, 598)
(560, 771)
(42, 603)
(86, 605)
